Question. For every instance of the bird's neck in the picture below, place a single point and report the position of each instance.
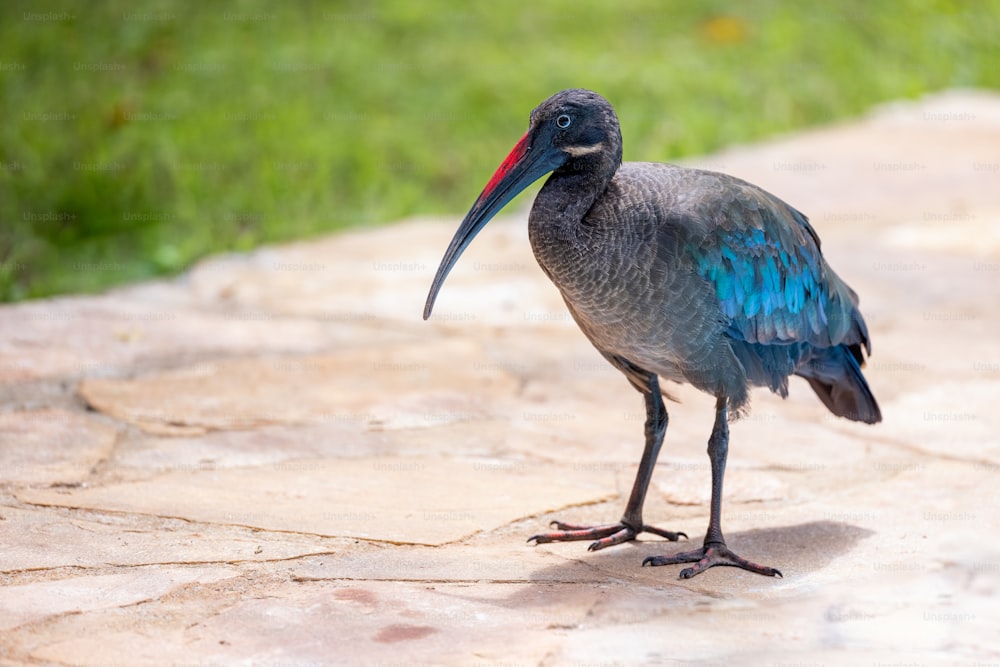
(566, 197)
(559, 228)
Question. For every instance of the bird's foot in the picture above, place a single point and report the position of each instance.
(605, 536)
(710, 555)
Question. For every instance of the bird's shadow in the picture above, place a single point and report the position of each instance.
(797, 550)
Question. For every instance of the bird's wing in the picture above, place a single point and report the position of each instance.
(763, 259)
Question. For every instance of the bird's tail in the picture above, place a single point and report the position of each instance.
(834, 373)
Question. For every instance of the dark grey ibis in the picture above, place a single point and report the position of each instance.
(682, 274)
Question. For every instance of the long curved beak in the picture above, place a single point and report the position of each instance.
(520, 169)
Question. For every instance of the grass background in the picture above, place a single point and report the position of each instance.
(136, 137)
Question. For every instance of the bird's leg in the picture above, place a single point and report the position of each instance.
(714, 551)
(631, 523)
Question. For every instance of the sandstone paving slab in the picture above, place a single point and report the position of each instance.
(52, 446)
(262, 446)
(440, 425)
(20, 604)
(955, 419)
(51, 539)
(106, 335)
(344, 386)
(109, 648)
(405, 500)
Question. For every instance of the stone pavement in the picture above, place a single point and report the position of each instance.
(272, 460)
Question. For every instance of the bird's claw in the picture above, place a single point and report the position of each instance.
(605, 536)
(710, 555)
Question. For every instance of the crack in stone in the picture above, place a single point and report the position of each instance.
(256, 529)
(309, 579)
(924, 454)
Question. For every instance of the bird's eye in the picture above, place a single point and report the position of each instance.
(563, 121)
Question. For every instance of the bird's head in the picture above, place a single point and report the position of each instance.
(581, 125)
(574, 131)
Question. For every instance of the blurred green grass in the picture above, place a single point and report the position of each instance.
(137, 137)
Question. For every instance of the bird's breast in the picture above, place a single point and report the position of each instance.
(609, 277)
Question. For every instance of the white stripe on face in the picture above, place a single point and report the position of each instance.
(577, 151)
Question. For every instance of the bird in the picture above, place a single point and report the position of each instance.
(685, 275)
